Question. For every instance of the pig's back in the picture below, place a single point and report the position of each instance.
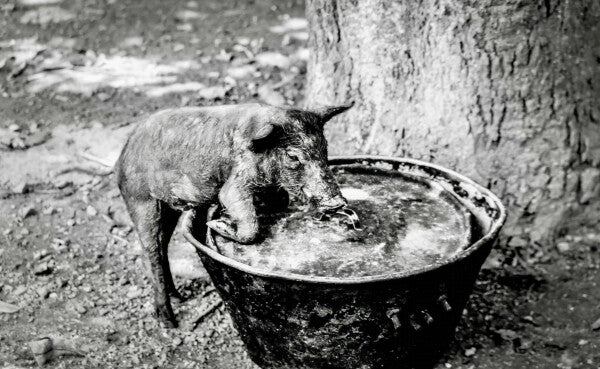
(184, 152)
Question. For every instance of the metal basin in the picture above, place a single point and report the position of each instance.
(398, 320)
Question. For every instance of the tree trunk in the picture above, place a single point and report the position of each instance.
(504, 91)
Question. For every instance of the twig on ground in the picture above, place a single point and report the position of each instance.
(208, 291)
(48, 191)
(83, 169)
(95, 159)
(121, 125)
(215, 305)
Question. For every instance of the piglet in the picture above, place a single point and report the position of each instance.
(194, 157)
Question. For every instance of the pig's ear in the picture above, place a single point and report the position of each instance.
(265, 137)
(328, 112)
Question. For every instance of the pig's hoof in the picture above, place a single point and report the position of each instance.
(227, 229)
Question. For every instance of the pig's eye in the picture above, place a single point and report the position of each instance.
(294, 160)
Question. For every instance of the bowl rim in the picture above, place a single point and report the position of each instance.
(358, 159)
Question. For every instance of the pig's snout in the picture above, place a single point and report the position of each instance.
(332, 204)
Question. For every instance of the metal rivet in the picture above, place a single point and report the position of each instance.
(428, 319)
(393, 315)
(413, 322)
(444, 302)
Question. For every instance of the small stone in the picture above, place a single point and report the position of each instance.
(563, 247)
(134, 292)
(71, 222)
(273, 59)
(582, 342)
(62, 183)
(596, 325)
(178, 47)
(53, 295)
(177, 341)
(14, 127)
(470, 351)
(223, 56)
(213, 75)
(241, 72)
(185, 27)
(80, 309)
(114, 193)
(27, 211)
(91, 211)
(20, 290)
(134, 41)
(112, 336)
(43, 292)
(517, 242)
(70, 213)
(267, 94)
(21, 188)
(103, 96)
(213, 92)
(39, 255)
(42, 269)
(186, 15)
(49, 210)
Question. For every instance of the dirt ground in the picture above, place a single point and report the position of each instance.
(75, 76)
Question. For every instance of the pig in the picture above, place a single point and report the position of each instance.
(193, 157)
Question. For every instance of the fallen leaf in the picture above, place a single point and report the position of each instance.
(47, 14)
(45, 349)
(507, 334)
(596, 325)
(270, 96)
(36, 138)
(213, 92)
(273, 59)
(7, 308)
(470, 351)
(291, 24)
(175, 88)
(186, 15)
(241, 72)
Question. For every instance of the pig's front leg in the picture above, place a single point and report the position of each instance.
(242, 223)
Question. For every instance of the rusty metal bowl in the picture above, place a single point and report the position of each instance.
(398, 320)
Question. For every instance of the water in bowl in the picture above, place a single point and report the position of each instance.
(407, 222)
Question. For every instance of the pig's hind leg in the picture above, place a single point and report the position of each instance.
(169, 218)
(155, 226)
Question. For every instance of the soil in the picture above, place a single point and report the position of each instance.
(76, 75)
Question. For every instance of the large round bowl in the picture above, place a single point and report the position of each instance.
(398, 320)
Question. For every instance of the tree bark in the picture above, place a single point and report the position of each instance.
(504, 91)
